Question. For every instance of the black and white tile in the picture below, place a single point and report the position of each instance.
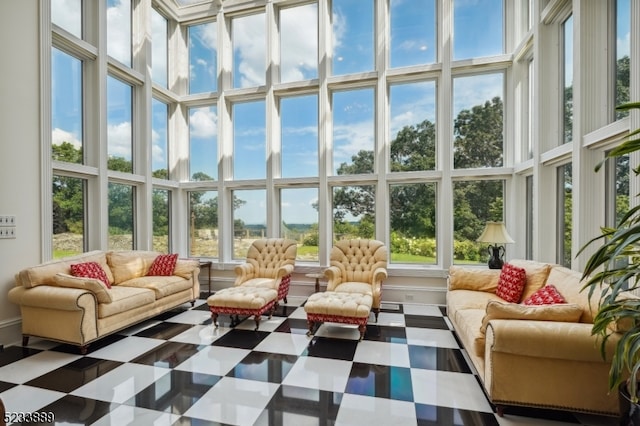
(177, 369)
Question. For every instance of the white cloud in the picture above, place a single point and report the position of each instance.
(476, 90)
(58, 136)
(157, 151)
(119, 137)
(350, 139)
(119, 31)
(159, 47)
(249, 47)
(623, 45)
(203, 123)
(67, 14)
(299, 51)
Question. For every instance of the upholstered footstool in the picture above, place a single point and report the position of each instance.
(345, 308)
(242, 300)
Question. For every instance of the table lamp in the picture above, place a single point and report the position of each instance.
(495, 233)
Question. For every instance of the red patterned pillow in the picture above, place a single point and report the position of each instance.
(547, 295)
(90, 270)
(163, 265)
(511, 283)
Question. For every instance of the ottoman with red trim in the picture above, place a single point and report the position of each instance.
(345, 308)
(242, 300)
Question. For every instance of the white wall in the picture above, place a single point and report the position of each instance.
(19, 149)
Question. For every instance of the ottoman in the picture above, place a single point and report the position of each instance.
(345, 308)
(242, 300)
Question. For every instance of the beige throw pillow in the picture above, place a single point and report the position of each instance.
(93, 285)
(565, 312)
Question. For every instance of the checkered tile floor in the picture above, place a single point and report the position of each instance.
(178, 369)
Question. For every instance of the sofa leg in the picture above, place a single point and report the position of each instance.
(25, 340)
(83, 349)
(193, 303)
(376, 311)
(500, 410)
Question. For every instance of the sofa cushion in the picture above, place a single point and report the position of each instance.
(466, 278)
(536, 272)
(469, 299)
(561, 312)
(547, 295)
(353, 287)
(129, 264)
(94, 285)
(125, 299)
(185, 267)
(43, 274)
(467, 325)
(161, 286)
(90, 270)
(511, 283)
(163, 265)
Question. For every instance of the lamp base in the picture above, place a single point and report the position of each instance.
(495, 260)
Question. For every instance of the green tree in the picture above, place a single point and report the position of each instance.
(622, 85)
(66, 152)
(120, 208)
(478, 136)
(119, 164)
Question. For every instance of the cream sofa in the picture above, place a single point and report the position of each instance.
(58, 306)
(529, 356)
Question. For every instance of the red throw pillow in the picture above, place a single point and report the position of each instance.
(547, 295)
(163, 265)
(511, 283)
(90, 270)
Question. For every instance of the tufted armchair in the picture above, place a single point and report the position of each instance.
(358, 266)
(269, 263)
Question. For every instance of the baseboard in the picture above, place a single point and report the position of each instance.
(11, 332)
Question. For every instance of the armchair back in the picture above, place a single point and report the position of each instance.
(357, 260)
(270, 254)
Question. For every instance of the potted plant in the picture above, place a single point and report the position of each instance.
(611, 271)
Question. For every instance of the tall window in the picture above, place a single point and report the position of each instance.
(413, 33)
(354, 212)
(478, 121)
(249, 50)
(249, 219)
(203, 143)
(616, 189)
(478, 28)
(67, 14)
(413, 126)
(119, 125)
(299, 136)
(353, 36)
(68, 215)
(529, 217)
(121, 216)
(529, 110)
(474, 204)
(159, 48)
(249, 140)
(159, 139)
(565, 212)
(567, 79)
(412, 217)
(203, 57)
(119, 30)
(623, 42)
(353, 131)
(299, 213)
(299, 43)
(161, 220)
(203, 223)
(66, 108)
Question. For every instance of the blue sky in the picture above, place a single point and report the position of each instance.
(477, 32)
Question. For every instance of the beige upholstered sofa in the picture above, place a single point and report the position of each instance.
(531, 356)
(58, 306)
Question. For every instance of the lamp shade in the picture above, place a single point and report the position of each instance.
(495, 232)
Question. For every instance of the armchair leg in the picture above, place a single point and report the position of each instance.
(25, 340)
(376, 311)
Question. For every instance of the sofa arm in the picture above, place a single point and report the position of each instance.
(546, 339)
(469, 278)
(54, 298)
(244, 272)
(334, 277)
